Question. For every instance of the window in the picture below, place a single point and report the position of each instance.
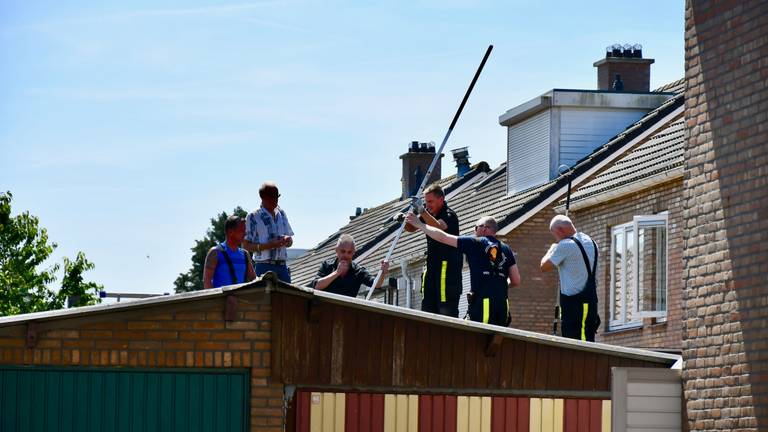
(638, 271)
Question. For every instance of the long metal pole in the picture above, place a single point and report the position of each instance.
(558, 319)
(432, 165)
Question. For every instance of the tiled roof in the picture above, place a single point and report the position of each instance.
(485, 194)
(487, 197)
(673, 87)
(370, 228)
(662, 153)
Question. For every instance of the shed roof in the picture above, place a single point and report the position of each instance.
(270, 283)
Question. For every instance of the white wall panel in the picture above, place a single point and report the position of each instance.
(528, 153)
(584, 129)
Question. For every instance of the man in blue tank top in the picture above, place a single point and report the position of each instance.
(492, 268)
(227, 263)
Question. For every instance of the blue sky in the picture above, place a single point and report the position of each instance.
(125, 126)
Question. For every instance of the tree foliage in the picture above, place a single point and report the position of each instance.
(24, 279)
(74, 288)
(192, 280)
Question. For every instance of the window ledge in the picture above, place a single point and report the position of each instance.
(639, 325)
(625, 327)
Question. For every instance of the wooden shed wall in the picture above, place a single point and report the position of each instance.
(321, 344)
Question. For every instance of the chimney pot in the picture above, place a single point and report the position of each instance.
(625, 60)
(461, 157)
(415, 165)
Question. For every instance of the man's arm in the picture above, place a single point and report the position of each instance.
(325, 276)
(514, 276)
(434, 233)
(260, 247)
(211, 261)
(546, 264)
(431, 221)
(251, 241)
(384, 270)
(250, 274)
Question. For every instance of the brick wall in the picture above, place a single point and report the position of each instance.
(185, 335)
(597, 221)
(635, 73)
(726, 211)
(532, 304)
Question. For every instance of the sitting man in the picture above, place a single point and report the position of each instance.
(340, 275)
(227, 263)
(491, 264)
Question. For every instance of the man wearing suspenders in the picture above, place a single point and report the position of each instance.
(575, 257)
(227, 263)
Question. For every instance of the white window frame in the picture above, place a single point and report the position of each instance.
(637, 314)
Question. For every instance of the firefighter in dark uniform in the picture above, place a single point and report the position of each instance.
(441, 280)
(492, 267)
(575, 257)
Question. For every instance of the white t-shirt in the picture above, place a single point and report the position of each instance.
(570, 263)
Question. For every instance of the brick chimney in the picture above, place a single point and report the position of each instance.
(628, 63)
(415, 165)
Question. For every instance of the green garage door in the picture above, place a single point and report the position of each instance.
(101, 399)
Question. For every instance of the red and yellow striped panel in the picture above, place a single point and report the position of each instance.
(353, 412)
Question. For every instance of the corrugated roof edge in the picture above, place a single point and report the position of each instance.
(601, 153)
(270, 283)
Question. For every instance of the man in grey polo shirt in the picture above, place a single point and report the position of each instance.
(575, 256)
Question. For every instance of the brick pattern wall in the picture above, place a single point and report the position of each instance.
(597, 222)
(635, 76)
(532, 304)
(726, 212)
(187, 335)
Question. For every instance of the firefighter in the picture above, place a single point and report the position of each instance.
(492, 267)
(441, 280)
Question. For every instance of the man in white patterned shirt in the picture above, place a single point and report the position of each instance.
(268, 234)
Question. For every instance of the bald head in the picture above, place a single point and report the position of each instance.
(562, 227)
(486, 226)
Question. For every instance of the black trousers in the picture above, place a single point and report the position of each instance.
(490, 310)
(580, 319)
(441, 289)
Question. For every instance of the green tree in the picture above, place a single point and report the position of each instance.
(73, 287)
(24, 246)
(24, 285)
(192, 280)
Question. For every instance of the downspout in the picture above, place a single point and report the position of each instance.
(404, 272)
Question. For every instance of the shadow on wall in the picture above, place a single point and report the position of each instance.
(726, 160)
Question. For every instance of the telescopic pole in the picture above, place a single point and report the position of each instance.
(567, 207)
(432, 165)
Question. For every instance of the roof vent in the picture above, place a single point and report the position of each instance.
(618, 84)
(358, 212)
(461, 157)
